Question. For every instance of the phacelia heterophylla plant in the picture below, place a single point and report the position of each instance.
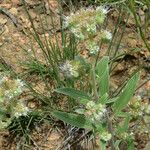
(10, 106)
(99, 110)
(85, 24)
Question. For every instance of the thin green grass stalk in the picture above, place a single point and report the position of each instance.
(115, 31)
(119, 42)
(61, 26)
(34, 65)
(37, 38)
(108, 2)
(142, 84)
(53, 52)
(123, 84)
(53, 55)
(100, 45)
(58, 51)
(38, 95)
(147, 17)
(120, 39)
(32, 24)
(137, 20)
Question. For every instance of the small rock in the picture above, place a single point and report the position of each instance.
(3, 21)
(16, 2)
(14, 11)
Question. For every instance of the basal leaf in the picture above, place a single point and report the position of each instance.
(73, 119)
(127, 93)
(102, 70)
(76, 94)
(103, 99)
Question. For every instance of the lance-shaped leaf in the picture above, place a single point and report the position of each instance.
(73, 119)
(103, 99)
(127, 93)
(76, 94)
(102, 69)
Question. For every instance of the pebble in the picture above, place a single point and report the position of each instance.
(3, 21)
(14, 11)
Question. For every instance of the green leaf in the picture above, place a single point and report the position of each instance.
(84, 101)
(73, 119)
(127, 93)
(76, 94)
(103, 99)
(112, 100)
(102, 70)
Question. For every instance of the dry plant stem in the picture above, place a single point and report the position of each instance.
(11, 16)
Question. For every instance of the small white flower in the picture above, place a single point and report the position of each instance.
(91, 28)
(102, 10)
(105, 136)
(92, 47)
(83, 23)
(20, 110)
(20, 83)
(106, 35)
(90, 105)
(9, 94)
(68, 70)
(96, 112)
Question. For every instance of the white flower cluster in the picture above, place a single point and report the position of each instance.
(93, 47)
(83, 24)
(20, 110)
(105, 35)
(136, 108)
(105, 136)
(88, 18)
(10, 89)
(69, 70)
(96, 112)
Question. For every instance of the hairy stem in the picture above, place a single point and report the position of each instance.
(96, 97)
